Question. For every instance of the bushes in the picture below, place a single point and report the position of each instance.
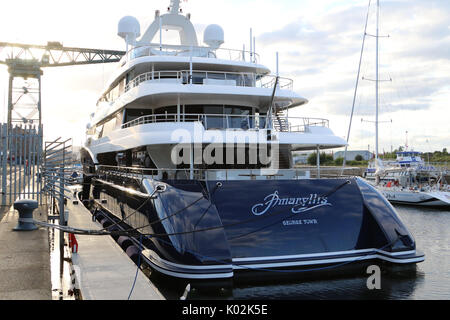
(357, 163)
(325, 159)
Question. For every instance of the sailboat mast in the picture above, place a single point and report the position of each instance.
(376, 86)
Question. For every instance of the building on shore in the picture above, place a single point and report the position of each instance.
(300, 157)
(352, 154)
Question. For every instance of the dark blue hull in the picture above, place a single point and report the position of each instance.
(219, 229)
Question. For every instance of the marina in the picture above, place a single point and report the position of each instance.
(185, 185)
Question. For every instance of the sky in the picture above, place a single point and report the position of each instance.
(318, 42)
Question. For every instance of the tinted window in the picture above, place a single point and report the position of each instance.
(131, 114)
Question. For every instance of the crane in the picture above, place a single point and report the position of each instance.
(27, 60)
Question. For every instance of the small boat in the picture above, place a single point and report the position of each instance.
(419, 194)
(407, 163)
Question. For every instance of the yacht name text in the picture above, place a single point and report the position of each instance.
(300, 204)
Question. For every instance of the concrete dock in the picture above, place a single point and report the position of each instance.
(24, 259)
(103, 269)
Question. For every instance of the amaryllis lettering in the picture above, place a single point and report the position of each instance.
(300, 204)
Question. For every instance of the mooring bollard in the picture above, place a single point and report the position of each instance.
(25, 208)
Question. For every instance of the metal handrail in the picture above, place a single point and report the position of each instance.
(242, 79)
(198, 174)
(230, 121)
(195, 51)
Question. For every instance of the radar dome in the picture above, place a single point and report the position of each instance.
(129, 28)
(213, 36)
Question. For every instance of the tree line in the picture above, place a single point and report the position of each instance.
(326, 159)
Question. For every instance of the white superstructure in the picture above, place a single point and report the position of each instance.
(166, 95)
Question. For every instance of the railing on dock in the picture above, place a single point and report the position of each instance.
(56, 174)
(20, 161)
(28, 169)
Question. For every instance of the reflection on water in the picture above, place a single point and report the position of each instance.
(60, 274)
(431, 229)
(428, 280)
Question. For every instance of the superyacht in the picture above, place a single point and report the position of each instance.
(190, 147)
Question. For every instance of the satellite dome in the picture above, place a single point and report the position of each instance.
(213, 36)
(129, 26)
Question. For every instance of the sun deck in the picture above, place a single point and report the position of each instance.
(192, 51)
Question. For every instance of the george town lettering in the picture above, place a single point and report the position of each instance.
(302, 221)
(298, 205)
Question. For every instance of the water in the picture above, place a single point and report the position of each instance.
(430, 279)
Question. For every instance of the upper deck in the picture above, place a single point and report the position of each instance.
(148, 59)
(153, 62)
(243, 58)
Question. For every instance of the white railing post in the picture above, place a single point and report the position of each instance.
(318, 161)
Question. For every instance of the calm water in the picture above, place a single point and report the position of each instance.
(431, 279)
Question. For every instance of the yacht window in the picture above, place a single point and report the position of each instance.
(215, 116)
(211, 120)
(197, 109)
(213, 109)
(131, 114)
(248, 80)
(197, 77)
(166, 114)
(219, 76)
(166, 110)
(239, 117)
(237, 110)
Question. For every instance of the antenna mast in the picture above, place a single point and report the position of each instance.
(174, 6)
(356, 89)
(406, 142)
(376, 85)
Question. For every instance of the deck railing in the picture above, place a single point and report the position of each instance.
(240, 79)
(231, 121)
(106, 172)
(187, 51)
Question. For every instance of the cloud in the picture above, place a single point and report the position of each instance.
(321, 54)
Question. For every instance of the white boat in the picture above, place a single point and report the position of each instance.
(407, 165)
(416, 196)
(189, 153)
